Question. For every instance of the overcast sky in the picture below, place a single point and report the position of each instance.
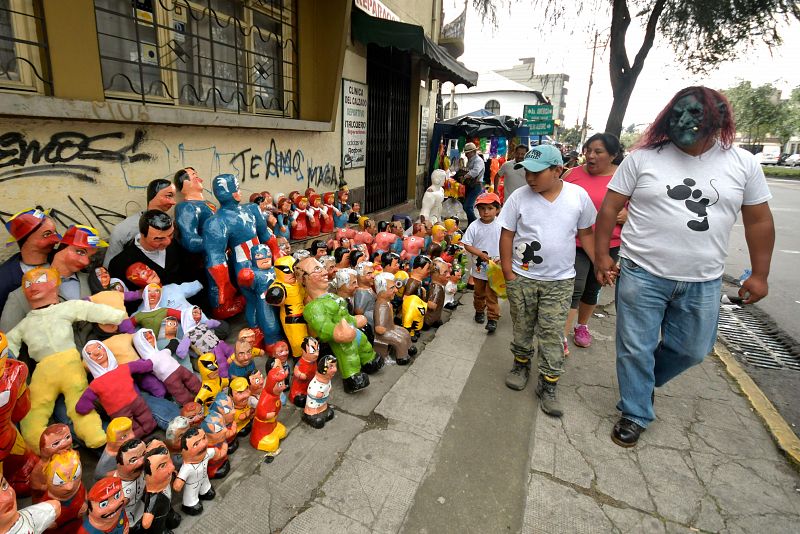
(569, 51)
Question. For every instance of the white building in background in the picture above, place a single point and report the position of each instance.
(506, 92)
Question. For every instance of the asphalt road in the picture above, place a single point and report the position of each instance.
(783, 301)
(782, 304)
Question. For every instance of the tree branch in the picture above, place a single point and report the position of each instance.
(649, 35)
(620, 20)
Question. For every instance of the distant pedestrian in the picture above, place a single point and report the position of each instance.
(482, 241)
(472, 180)
(572, 157)
(601, 152)
(537, 253)
(513, 178)
(685, 186)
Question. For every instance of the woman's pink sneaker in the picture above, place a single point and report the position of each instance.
(582, 336)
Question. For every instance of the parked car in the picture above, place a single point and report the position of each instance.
(767, 158)
(792, 161)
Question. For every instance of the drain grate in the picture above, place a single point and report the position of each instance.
(758, 342)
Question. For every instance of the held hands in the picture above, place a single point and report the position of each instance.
(361, 320)
(754, 289)
(605, 270)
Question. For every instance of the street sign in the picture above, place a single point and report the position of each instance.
(537, 113)
(540, 128)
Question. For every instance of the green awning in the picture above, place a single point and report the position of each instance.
(410, 37)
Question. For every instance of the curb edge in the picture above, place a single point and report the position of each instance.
(781, 431)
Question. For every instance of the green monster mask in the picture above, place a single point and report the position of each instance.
(686, 121)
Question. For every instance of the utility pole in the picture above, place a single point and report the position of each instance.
(588, 93)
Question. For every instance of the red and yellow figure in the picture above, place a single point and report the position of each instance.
(64, 484)
(16, 459)
(267, 432)
(106, 508)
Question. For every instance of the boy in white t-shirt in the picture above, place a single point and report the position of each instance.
(537, 253)
(482, 241)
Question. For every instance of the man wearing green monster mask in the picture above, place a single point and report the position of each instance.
(328, 319)
(685, 185)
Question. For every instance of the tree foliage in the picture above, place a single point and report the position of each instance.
(703, 33)
(759, 112)
(629, 136)
(571, 136)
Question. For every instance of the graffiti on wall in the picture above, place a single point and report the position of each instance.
(60, 154)
(94, 174)
(278, 163)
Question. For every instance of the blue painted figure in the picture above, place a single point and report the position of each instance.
(254, 283)
(283, 218)
(192, 213)
(340, 221)
(237, 227)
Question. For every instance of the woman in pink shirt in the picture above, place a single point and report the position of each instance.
(603, 153)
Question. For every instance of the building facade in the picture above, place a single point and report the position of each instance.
(102, 96)
(552, 86)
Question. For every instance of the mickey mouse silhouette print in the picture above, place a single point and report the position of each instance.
(694, 201)
(526, 252)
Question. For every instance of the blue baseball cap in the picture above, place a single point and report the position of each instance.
(541, 157)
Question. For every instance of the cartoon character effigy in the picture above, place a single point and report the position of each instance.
(234, 226)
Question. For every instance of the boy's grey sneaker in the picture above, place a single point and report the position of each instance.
(480, 317)
(491, 326)
(517, 377)
(546, 391)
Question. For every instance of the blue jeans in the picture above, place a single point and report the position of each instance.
(683, 315)
(163, 410)
(470, 196)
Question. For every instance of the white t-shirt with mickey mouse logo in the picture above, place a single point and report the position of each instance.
(682, 208)
(544, 239)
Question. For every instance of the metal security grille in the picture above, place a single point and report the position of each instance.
(24, 58)
(221, 55)
(388, 115)
(759, 343)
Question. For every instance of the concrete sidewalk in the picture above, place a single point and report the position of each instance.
(706, 464)
(444, 446)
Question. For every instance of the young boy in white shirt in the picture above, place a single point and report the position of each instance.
(482, 241)
(539, 224)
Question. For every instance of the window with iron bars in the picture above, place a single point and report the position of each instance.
(222, 55)
(23, 47)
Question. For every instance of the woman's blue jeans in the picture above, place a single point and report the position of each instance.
(663, 328)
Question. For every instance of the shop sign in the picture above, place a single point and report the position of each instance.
(354, 124)
(377, 9)
(424, 124)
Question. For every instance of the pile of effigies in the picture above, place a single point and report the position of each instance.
(122, 343)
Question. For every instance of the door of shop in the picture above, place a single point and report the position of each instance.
(388, 79)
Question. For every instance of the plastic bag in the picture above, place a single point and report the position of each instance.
(452, 207)
(496, 279)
